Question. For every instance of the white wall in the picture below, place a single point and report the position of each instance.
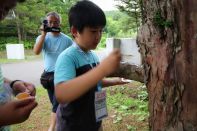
(128, 47)
(15, 51)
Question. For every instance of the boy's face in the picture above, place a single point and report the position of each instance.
(89, 37)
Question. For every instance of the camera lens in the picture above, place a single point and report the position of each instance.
(45, 22)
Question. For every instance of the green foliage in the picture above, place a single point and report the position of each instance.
(133, 8)
(2, 47)
(161, 21)
(28, 44)
(4, 41)
(30, 14)
(119, 25)
(102, 43)
(119, 100)
(29, 17)
(131, 128)
(115, 27)
(143, 94)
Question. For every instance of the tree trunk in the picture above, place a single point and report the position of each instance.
(168, 44)
(19, 31)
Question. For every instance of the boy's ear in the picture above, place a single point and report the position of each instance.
(74, 31)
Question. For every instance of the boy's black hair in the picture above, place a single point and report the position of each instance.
(86, 14)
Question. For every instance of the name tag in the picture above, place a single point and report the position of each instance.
(100, 105)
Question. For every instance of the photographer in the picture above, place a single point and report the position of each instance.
(51, 43)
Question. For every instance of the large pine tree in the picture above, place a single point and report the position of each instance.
(168, 44)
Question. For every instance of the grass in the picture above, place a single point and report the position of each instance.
(127, 109)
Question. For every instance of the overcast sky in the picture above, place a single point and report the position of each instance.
(105, 5)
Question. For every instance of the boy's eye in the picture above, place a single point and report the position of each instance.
(97, 31)
(93, 31)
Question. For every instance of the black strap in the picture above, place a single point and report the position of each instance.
(12, 83)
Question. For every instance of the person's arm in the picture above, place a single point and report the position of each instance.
(21, 86)
(16, 111)
(38, 46)
(113, 81)
(69, 91)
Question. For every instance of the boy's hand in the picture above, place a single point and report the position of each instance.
(16, 111)
(112, 62)
(120, 81)
(21, 86)
(115, 81)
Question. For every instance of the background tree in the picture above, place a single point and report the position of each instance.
(134, 9)
(29, 15)
(168, 44)
(116, 22)
(28, 18)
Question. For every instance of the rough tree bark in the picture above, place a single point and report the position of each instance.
(168, 44)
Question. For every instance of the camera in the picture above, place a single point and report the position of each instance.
(50, 29)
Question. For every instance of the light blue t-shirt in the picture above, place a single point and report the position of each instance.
(52, 47)
(72, 59)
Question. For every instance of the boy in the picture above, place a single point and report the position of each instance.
(78, 77)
